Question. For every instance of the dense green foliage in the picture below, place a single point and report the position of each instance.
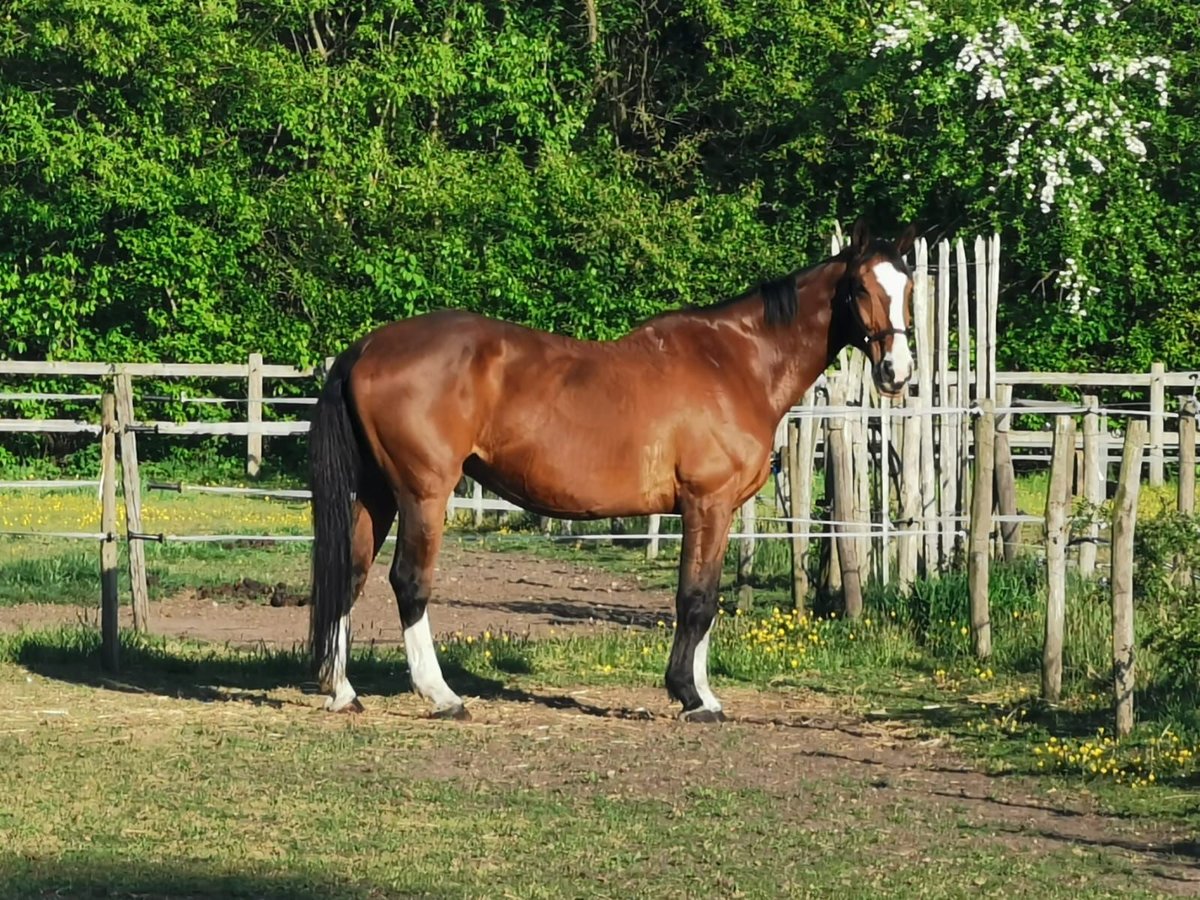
(193, 181)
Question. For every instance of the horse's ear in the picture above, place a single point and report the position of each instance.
(860, 236)
(907, 239)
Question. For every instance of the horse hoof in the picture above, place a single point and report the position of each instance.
(702, 716)
(458, 713)
(354, 705)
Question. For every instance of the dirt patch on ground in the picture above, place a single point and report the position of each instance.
(819, 764)
(475, 590)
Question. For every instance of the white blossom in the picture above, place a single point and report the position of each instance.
(1067, 117)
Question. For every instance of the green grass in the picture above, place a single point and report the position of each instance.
(196, 816)
(69, 573)
(195, 774)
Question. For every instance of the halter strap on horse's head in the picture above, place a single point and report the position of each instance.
(849, 298)
(856, 252)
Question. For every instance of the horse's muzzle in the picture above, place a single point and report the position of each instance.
(886, 380)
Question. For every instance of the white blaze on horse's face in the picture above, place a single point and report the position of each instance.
(895, 284)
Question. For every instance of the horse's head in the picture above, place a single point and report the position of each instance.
(877, 291)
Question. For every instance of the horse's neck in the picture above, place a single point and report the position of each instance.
(797, 352)
(784, 358)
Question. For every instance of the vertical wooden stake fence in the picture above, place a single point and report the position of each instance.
(254, 414)
(993, 308)
(909, 549)
(1124, 519)
(885, 491)
(131, 482)
(833, 573)
(791, 472)
(978, 554)
(1190, 408)
(801, 450)
(1057, 497)
(964, 377)
(1093, 482)
(947, 491)
(1157, 421)
(927, 482)
(110, 648)
(858, 445)
(806, 461)
(1187, 473)
(981, 318)
(1005, 479)
(843, 511)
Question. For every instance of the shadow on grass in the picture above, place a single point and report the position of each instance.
(88, 876)
(217, 673)
(961, 716)
(571, 611)
(211, 672)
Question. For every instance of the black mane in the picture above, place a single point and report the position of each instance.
(779, 299)
(779, 294)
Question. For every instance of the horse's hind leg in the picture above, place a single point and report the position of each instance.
(420, 539)
(373, 516)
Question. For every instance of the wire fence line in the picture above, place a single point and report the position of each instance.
(877, 524)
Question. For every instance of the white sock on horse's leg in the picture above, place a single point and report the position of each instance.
(341, 693)
(424, 667)
(700, 674)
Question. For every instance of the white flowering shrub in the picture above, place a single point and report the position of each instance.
(1072, 102)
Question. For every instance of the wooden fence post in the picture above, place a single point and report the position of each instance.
(982, 374)
(110, 647)
(1005, 478)
(833, 572)
(800, 483)
(132, 484)
(885, 491)
(909, 549)
(745, 567)
(254, 414)
(652, 527)
(843, 511)
(1157, 421)
(858, 444)
(927, 482)
(947, 452)
(1189, 409)
(1057, 497)
(978, 552)
(1187, 473)
(1123, 524)
(1093, 482)
(477, 502)
(993, 309)
(964, 377)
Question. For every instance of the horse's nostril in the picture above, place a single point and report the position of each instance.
(887, 370)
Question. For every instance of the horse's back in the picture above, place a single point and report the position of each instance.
(565, 425)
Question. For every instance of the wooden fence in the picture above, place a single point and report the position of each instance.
(908, 487)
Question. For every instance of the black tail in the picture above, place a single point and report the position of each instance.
(335, 462)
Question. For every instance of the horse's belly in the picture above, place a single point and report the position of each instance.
(580, 479)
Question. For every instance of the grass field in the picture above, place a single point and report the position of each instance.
(206, 772)
(865, 759)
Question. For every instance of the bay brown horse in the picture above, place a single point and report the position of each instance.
(678, 416)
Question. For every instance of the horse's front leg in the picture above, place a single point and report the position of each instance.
(705, 536)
